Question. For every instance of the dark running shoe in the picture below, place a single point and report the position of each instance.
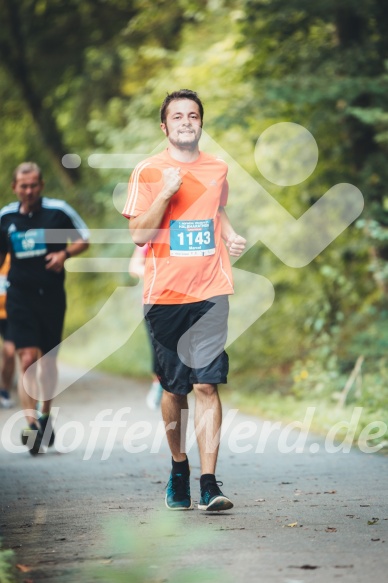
(5, 399)
(46, 428)
(178, 492)
(212, 498)
(32, 438)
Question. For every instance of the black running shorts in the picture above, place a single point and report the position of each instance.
(189, 342)
(35, 317)
(3, 328)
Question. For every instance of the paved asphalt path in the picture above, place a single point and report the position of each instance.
(71, 516)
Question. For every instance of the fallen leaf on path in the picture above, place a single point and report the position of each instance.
(331, 492)
(330, 529)
(373, 521)
(292, 524)
(23, 568)
(374, 539)
(304, 567)
(260, 500)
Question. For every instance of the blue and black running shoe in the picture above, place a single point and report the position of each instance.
(212, 499)
(178, 492)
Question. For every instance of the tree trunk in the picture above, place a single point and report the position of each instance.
(14, 58)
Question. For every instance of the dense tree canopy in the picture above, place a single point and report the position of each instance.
(328, 62)
(65, 59)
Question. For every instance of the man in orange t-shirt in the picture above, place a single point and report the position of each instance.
(176, 203)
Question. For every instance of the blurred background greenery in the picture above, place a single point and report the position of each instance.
(7, 566)
(88, 76)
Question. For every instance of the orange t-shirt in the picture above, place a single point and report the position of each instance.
(187, 260)
(3, 286)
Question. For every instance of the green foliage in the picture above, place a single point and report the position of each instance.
(7, 574)
(327, 64)
(63, 62)
(140, 555)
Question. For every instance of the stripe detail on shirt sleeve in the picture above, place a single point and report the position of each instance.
(78, 223)
(133, 190)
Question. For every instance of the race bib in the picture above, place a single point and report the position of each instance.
(3, 285)
(29, 244)
(192, 238)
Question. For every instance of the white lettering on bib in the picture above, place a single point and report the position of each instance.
(29, 244)
(192, 238)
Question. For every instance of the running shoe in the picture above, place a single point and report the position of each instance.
(212, 498)
(46, 428)
(34, 436)
(5, 399)
(154, 395)
(178, 492)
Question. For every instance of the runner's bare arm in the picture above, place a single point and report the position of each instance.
(235, 243)
(136, 265)
(55, 261)
(145, 226)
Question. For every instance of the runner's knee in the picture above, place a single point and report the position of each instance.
(27, 356)
(205, 389)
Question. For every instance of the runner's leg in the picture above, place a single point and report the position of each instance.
(208, 419)
(172, 408)
(27, 385)
(48, 377)
(8, 366)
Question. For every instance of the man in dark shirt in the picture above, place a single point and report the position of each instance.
(40, 234)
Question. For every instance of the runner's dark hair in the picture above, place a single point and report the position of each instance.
(181, 94)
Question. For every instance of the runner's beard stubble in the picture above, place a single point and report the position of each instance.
(190, 142)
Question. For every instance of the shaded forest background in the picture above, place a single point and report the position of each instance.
(86, 77)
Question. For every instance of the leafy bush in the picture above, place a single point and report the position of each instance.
(6, 566)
